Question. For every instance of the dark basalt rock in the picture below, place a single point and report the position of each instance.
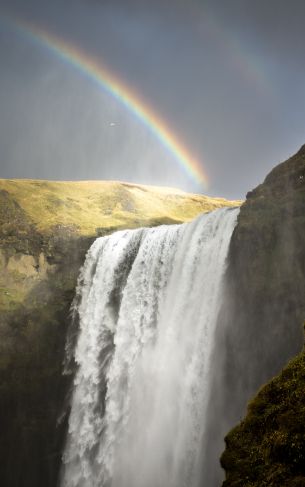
(260, 329)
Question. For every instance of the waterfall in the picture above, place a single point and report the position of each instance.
(147, 302)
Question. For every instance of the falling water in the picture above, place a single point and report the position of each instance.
(147, 302)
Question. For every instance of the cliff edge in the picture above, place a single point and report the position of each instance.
(45, 230)
(263, 330)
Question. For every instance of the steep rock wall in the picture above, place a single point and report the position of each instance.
(260, 324)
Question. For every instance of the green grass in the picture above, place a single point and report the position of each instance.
(87, 205)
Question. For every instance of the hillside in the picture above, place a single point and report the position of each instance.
(39, 220)
(89, 207)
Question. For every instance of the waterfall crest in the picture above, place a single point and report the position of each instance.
(147, 302)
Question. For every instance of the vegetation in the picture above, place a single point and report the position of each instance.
(268, 447)
(88, 205)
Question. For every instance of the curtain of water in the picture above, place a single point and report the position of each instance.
(147, 302)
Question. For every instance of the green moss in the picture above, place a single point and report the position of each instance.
(10, 298)
(268, 447)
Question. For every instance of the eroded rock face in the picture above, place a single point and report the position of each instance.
(265, 308)
(267, 272)
(35, 299)
(28, 266)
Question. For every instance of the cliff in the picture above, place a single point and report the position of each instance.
(45, 231)
(262, 322)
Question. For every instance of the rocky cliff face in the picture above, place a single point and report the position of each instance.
(261, 324)
(45, 231)
(267, 275)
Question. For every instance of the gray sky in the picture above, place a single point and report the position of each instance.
(228, 78)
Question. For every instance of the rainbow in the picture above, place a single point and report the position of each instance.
(249, 64)
(98, 73)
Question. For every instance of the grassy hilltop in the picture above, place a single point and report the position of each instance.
(41, 220)
(88, 206)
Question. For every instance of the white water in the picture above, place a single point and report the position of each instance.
(148, 301)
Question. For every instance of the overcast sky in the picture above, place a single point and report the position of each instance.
(227, 76)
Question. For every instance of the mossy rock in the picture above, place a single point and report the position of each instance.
(267, 449)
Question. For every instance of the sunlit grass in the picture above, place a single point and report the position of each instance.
(89, 205)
